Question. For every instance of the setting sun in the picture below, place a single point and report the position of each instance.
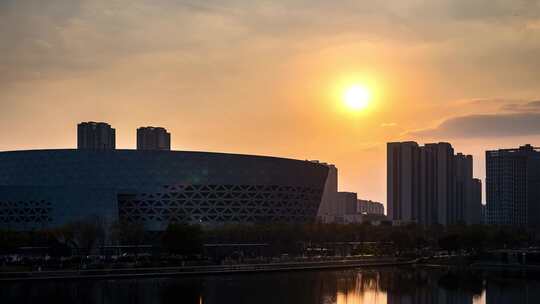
(357, 97)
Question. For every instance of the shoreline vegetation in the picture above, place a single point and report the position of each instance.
(89, 248)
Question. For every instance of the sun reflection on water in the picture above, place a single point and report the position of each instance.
(366, 290)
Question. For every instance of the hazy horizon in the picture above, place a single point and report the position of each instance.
(267, 78)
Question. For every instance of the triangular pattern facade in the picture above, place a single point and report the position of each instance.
(217, 204)
(25, 212)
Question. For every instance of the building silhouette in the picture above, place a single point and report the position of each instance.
(41, 189)
(475, 216)
(484, 215)
(338, 206)
(329, 201)
(153, 138)
(468, 194)
(370, 207)
(402, 181)
(513, 186)
(431, 185)
(347, 203)
(95, 136)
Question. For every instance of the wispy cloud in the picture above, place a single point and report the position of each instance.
(476, 126)
(531, 106)
(61, 36)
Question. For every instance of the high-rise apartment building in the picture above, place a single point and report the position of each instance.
(464, 189)
(474, 211)
(402, 180)
(430, 185)
(153, 138)
(95, 136)
(513, 186)
(437, 186)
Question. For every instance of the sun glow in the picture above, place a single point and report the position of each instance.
(357, 97)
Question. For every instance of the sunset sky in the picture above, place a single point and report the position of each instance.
(267, 77)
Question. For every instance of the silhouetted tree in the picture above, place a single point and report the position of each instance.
(449, 242)
(127, 233)
(183, 239)
(83, 234)
(10, 240)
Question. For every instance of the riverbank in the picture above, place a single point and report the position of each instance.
(478, 265)
(197, 270)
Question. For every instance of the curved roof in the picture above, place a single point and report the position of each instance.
(136, 169)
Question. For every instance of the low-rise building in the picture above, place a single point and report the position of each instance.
(370, 207)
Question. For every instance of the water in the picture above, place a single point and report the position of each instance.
(372, 286)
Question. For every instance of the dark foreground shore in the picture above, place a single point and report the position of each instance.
(197, 270)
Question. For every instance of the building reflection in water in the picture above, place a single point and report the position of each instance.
(424, 287)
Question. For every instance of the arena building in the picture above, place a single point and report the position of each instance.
(49, 188)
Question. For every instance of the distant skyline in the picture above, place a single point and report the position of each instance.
(265, 77)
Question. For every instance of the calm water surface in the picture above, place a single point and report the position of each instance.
(374, 286)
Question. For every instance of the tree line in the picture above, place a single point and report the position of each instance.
(280, 238)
